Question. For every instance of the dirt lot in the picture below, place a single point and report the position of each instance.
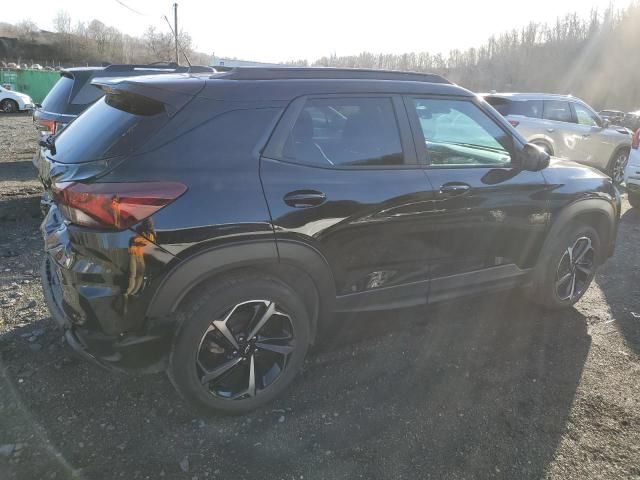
(486, 388)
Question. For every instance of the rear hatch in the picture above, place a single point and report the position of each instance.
(71, 95)
(116, 127)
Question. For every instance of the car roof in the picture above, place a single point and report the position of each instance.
(531, 96)
(247, 83)
(257, 84)
(315, 73)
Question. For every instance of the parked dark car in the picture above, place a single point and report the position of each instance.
(614, 117)
(73, 93)
(210, 225)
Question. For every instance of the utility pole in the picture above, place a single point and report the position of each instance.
(175, 30)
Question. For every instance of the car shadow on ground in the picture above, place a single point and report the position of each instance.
(619, 277)
(19, 170)
(473, 389)
(20, 208)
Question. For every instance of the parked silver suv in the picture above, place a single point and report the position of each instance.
(565, 126)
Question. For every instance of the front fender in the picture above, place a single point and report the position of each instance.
(605, 212)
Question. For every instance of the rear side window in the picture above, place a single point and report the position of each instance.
(116, 125)
(58, 97)
(525, 108)
(558, 111)
(345, 132)
(88, 94)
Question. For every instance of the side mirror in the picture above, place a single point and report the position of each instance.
(533, 158)
(605, 123)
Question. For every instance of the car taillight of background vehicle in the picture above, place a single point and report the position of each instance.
(635, 142)
(50, 127)
(514, 123)
(113, 205)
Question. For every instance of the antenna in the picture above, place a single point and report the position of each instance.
(175, 29)
(175, 35)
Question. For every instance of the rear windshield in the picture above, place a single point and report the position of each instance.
(89, 93)
(58, 97)
(116, 125)
(526, 108)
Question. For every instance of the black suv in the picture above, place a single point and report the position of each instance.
(73, 93)
(210, 225)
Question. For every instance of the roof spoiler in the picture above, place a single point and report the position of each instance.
(174, 95)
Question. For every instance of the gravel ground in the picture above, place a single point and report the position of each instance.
(485, 388)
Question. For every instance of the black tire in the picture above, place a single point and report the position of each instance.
(634, 199)
(8, 106)
(617, 165)
(240, 296)
(551, 269)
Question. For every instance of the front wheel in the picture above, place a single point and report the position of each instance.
(567, 266)
(240, 344)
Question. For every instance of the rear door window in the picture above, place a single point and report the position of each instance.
(116, 125)
(558, 111)
(338, 132)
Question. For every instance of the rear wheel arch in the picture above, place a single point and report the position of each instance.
(298, 266)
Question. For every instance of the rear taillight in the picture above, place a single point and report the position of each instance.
(635, 141)
(113, 205)
(514, 123)
(47, 127)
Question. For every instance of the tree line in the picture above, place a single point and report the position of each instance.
(93, 43)
(596, 58)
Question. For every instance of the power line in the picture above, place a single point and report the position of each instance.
(132, 9)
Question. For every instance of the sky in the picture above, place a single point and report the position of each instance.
(280, 30)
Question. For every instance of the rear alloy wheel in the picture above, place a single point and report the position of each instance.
(8, 106)
(618, 165)
(243, 353)
(240, 344)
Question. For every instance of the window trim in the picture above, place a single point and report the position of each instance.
(418, 135)
(275, 146)
(588, 109)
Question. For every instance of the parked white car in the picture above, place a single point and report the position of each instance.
(632, 172)
(11, 101)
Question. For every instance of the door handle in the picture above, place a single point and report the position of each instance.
(305, 198)
(586, 135)
(551, 130)
(454, 189)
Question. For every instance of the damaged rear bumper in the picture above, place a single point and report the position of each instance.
(139, 352)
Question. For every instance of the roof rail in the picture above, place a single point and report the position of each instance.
(162, 66)
(277, 73)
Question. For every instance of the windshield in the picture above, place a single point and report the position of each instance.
(115, 125)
